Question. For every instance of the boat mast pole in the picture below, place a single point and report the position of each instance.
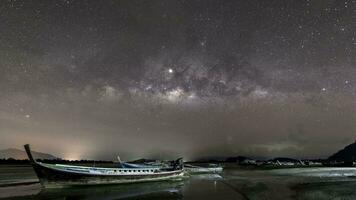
(29, 154)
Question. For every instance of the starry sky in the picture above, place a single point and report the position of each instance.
(193, 78)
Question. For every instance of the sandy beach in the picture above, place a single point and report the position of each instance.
(19, 190)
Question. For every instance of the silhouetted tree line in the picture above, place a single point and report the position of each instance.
(13, 161)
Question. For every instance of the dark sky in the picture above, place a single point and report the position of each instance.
(92, 79)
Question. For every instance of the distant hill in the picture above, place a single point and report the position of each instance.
(347, 154)
(20, 154)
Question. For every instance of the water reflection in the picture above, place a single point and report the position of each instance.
(152, 190)
(304, 183)
(166, 190)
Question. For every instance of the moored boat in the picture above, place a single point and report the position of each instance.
(210, 168)
(59, 175)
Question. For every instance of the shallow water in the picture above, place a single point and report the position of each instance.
(234, 183)
(16, 173)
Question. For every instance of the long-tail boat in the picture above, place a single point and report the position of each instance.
(59, 175)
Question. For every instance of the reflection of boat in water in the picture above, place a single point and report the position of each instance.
(54, 175)
(154, 190)
(210, 168)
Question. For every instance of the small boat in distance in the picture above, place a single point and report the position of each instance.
(59, 175)
(141, 165)
(208, 169)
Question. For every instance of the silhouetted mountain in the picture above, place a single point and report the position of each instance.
(347, 154)
(20, 154)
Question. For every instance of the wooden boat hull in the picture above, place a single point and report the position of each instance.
(52, 176)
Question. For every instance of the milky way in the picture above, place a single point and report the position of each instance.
(91, 79)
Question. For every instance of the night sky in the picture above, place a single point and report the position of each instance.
(93, 79)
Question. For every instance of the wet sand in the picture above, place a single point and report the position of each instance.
(20, 190)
